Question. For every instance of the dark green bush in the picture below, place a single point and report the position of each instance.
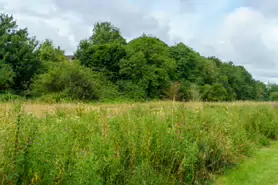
(72, 81)
(131, 90)
(8, 96)
(215, 93)
(274, 96)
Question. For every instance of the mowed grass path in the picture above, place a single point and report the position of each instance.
(260, 169)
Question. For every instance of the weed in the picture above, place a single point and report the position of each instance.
(154, 143)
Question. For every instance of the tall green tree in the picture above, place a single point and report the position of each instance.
(149, 65)
(103, 58)
(103, 51)
(223, 76)
(19, 51)
(187, 62)
(104, 33)
(193, 67)
(236, 79)
(48, 53)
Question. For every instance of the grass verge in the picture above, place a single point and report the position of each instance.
(262, 168)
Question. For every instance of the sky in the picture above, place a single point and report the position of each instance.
(242, 31)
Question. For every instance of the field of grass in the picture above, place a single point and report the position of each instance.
(142, 143)
(262, 168)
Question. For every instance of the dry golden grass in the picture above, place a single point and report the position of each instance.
(39, 109)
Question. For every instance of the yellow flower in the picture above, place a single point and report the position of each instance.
(37, 177)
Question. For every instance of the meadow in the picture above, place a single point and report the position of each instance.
(136, 143)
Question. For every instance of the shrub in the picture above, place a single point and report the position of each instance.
(192, 92)
(71, 80)
(131, 90)
(54, 98)
(173, 93)
(215, 93)
(274, 96)
(8, 96)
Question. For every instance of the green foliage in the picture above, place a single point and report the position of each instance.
(173, 93)
(188, 63)
(19, 52)
(131, 90)
(6, 76)
(154, 144)
(190, 91)
(272, 87)
(262, 92)
(103, 51)
(9, 97)
(48, 53)
(143, 69)
(237, 80)
(103, 58)
(104, 33)
(274, 96)
(215, 92)
(272, 90)
(148, 64)
(69, 80)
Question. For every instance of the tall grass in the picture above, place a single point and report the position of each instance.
(169, 144)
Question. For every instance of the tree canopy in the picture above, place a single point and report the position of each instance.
(19, 52)
(143, 68)
(105, 32)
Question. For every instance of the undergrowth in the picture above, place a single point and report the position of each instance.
(173, 144)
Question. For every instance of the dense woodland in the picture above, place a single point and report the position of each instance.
(107, 67)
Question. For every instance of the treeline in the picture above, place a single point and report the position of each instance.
(108, 67)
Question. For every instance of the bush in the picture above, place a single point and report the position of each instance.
(72, 81)
(54, 98)
(130, 90)
(274, 96)
(7, 96)
(215, 93)
(173, 92)
(190, 92)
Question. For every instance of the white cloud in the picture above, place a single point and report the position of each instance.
(245, 32)
(67, 22)
(250, 37)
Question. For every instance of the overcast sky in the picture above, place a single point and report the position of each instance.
(242, 31)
